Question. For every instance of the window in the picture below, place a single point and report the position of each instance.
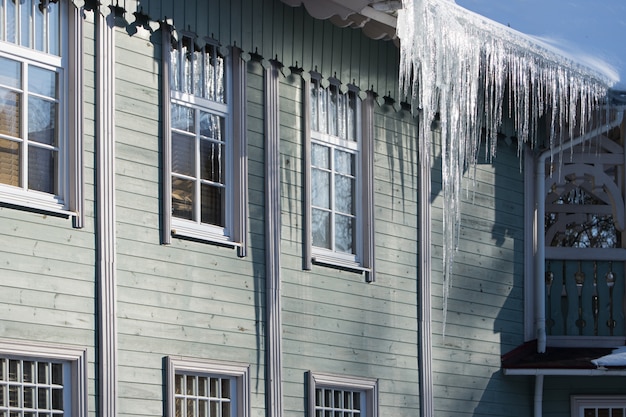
(42, 381)
(342, 395)
(39, 147)
(339, 159)
(202, 388)
(205, 155)
(598, 406)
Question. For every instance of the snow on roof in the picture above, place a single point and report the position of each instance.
(617, 358)
(592, 34)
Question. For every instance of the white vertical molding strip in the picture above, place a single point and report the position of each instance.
(240, 188)
(272, 247)
(166, 143)
(105, 208)
(76, 116)
(425, 320)
(307, 244)
(367, 186)
(530, 244)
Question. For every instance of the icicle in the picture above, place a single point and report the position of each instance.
(460, 66)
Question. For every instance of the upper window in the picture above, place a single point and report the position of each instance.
(201, 389)
(339, 175)
(335, 395)
(35, 147)
(33, 385)
(204, 137)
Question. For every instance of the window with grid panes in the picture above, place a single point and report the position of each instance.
(335, 170)
(598, 406)
(201, 174)
(32, 387)
(34, 160)
(342, 396)
(198, 388)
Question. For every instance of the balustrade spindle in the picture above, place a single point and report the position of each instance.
(610, 282)
(564, 299)
(579, 277)
(549, 280)
(595, 301)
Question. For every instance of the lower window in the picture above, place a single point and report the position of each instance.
(598, 406)
(41, 381)
(344, 396)
(201, 389)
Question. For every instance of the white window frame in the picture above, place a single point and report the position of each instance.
(234, 231)
(74, 361)
(368, 387)
(580, 402)
(238, 373)
(362, 260)
(68, 200)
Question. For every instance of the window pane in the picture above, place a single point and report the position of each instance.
(320, 188)
(351, 117)
(320, 225)
(344, 162)
(10, 73)
(212, 126)
(187, 56)
(9, 162)
(42, 121)
(182, 198)
(332, 110)
(183, 154)
(320, 156)
(212, 205)
(24, 14)
(344, 194)
(54, 32)
(344, 233)
(178, 384)
(198, 72)
(41, 169)
(225, 388)
(203, 386)
(220, 95)
(39, 28)
(211, 160)
(28, 371)
(183, 118)
(226, 409)
(11, 21)
(10, 112)
(314, 105)
(42, 81)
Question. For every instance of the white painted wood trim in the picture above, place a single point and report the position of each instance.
(75, 128)
(425, 356)
(240, 151)
(367, 188)
(166, 147)
(105, 209)
(272, 247)
(307, 245)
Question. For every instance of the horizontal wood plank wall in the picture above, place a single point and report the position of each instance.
(485, 308)
(47, 273)
(187, 298)
(333, 320)
(277, 31)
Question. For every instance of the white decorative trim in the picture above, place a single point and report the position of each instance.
(105, 208)
(307, 245)
(272, 246)
(425, 356)
(166, 148)
(367, 188)
(76, 358)
(239, 371)
(240, 151)
(368, 385)
(75, 107)
(530, 244)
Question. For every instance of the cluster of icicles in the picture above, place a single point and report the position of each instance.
(469, 73)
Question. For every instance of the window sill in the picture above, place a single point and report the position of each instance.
(35, 202)
(339, 263)
(206, 234)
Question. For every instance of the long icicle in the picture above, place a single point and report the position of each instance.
(459, 66)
